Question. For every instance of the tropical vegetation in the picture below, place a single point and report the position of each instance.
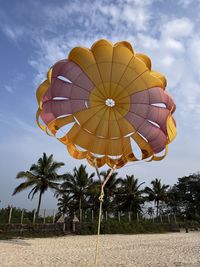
(78, 192)
(40, 177)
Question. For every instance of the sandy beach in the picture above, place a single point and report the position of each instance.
(158, 250)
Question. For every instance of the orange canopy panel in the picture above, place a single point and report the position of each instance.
(111, 101)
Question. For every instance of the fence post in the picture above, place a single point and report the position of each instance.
(153, 218)
(34, 214)
(64, 227)
(119, 218)
(75, 220)
(80, 219)
(53, 216)
(10, 215)
(161, 220)
(106, 215)
(92, 216)
(44, 216)
(168, 218)
(129, 217)
(22, 216)
(86, 215)
(137, 217)
(175, 217)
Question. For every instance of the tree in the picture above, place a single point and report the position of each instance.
(65, 204)
(94, 193)
(110, 190)
(157, 193)
(16, 215)
(41, 177)
(185, 196)
(173, 200)
(131, 196)
(78, 186)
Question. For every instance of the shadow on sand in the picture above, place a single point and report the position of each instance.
(20, 242)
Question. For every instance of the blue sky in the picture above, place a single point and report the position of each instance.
(36, 34)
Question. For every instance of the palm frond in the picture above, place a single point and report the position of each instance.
(23, 186)
(27, 174)
(55, 166)
(31, 191)
(36, 169)
(34, 192)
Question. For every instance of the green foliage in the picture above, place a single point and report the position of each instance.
(157, 193)
(184, 197)
(65, 204)
(114, 227)
(16, 215)
(77, 187)
(41, 177)
(79, 191)
(110, 190)
(130, 196)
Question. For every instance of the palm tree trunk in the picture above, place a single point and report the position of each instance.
(131, 207)
(157, 207)
(39, 203)
(80, 203)
(80, 211)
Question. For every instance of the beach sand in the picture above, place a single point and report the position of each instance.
(157, 250)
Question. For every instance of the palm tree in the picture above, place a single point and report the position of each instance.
(78, 185)
(157, 193)
(41, 177)
(94, 192)
(64, 204)
(130, 194)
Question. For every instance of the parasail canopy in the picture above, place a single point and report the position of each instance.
(104, 103)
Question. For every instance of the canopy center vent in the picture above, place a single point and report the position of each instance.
(110, 102)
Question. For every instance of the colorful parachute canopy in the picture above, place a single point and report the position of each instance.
(111, 102)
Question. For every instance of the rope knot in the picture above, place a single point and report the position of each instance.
(101, 196)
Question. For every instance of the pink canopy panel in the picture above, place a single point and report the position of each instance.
(150, 119)
(68, 92)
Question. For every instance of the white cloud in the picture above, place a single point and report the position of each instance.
(173, 45)
(194, 53)
(14, 32)
(85, 25)
(135, 14)
(187, 3)
(9, 89)
(14, 82)
(49, 51)
(177, 28)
